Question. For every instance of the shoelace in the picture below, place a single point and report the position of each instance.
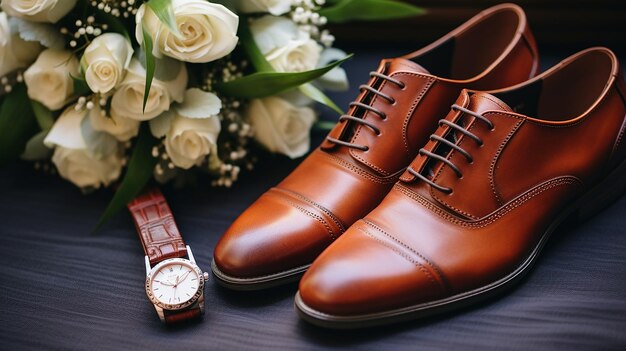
(451, 145)
(376, 111)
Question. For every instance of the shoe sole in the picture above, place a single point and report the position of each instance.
(257, 283)
(602, 195)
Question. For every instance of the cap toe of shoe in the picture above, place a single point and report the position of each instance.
(275, 234)
(363, 274)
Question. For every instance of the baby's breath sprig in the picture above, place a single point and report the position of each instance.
(83, 31)
(305, 14)
(234, 140)
(117, 8)
(7, 81)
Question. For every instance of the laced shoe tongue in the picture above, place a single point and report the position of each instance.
(481, 102)
(404, 65)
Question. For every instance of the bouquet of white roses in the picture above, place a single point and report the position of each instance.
(123, 91)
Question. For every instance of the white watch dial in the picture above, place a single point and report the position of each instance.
(175, 283)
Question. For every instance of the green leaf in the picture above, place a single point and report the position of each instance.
(44, 116)
(252, 50)
(35, 148)
(262, 84)
(314, 93)
(325, 125)
(17, 123)
(150, 64)
(80, 86)
(165, 12)
(369, 10)
(138, 174)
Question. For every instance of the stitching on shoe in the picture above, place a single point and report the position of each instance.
(492, 167)
(316, 217)
(409, 115)
(486, 97)
(386, 180)
(334, 218)
(620, 136)
(520, 200)
(403, 255)
(436, 269)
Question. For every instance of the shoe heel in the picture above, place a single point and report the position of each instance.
(603, 194)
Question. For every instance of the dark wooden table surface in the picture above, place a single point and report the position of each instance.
(63, 287)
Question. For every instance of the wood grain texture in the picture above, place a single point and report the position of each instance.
(62, 287)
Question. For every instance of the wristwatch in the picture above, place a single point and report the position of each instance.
(174, 282)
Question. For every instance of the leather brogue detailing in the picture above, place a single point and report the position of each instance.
(328, 218)
(369, 149)
(407, 119)
(480, 199)
(494, 162)
(390, 179)
(485, 221)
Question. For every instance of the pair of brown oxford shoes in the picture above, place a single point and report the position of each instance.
(401, 213)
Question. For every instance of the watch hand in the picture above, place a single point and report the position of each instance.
(184, 276)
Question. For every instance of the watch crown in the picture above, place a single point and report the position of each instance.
(205, 275)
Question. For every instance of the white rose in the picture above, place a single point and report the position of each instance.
(281, 126)
(105, 61)
(49, 79)
(72, 157)
(14, 51)
(38, 10)
(190, 140)
(84, 170)
(122, 128)
(336, 79)
(285, 46)
(207, 31)
(127, 100)
(275, 7)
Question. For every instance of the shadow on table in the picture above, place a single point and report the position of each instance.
(242, 299)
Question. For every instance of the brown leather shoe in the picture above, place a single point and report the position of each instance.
(470, 215)
(276, 239)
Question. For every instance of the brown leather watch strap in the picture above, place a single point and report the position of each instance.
(155, 224)
(183, 316)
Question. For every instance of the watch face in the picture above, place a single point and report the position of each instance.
(174, 283)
